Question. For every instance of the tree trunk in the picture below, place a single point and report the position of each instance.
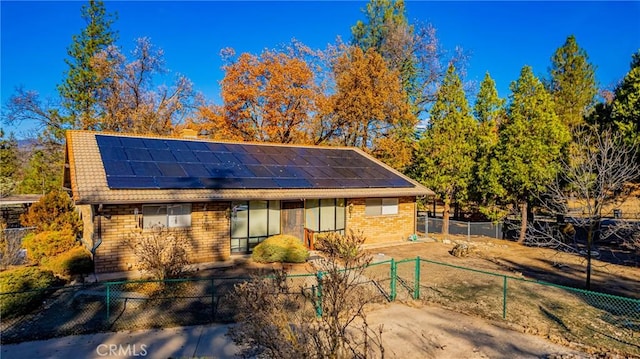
(523, 222)
(445, 217)
(589, 242)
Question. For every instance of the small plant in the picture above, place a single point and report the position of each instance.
(31, 281)
(280, 248)
(160, 251)
(76, 261)
(48, 244)
(53, 212)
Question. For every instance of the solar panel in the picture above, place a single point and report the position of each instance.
(131, 163)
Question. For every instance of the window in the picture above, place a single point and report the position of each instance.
(325, 215)
(166, 215)
(252, 222)
(381, 206)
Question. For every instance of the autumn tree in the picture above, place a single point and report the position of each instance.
(531, 141)
(267, 98)
(81, 85)
(130, 101)
(370, 108)
(489, 111)
(572, 84)
(445, 154)
(414, 51)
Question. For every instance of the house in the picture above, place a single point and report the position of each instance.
(228, 196)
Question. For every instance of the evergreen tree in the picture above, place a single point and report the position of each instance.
(81, 85)
(445, 154)
(573, 83)
(531, 141)
(489, 111)
(10, 164)
(625, 108)
(43, 173)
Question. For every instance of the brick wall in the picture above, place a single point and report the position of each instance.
(382, 228)
(208, 236)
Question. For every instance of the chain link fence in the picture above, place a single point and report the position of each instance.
(433, 225)
(568, 314)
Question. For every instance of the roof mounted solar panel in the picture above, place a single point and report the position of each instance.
(131, 162)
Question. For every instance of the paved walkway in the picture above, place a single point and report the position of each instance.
(181, 342)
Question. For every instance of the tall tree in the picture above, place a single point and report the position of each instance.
(625, 108)
(412, 50)
(531, 141)
(266, 98)
(489, 112)
(9, 164)
(445, 154)
(370, 107)
(573, 83)
(43, 173)
(130, 101)
(81, 85)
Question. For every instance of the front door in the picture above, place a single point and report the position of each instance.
(292, 214)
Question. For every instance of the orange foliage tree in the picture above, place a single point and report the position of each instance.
(370, 107)
(267, 98)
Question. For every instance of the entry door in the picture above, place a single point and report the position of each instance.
(292, 214)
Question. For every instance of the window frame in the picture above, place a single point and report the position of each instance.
(382, 206)
(186, 210)
(316, 213)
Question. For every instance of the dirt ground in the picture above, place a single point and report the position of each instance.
(432, 332)
(506, 257)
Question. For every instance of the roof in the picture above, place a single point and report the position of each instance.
(118, 168)
(20, 199)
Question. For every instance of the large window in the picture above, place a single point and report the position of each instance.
(325, 215)
(381, 206)
(252, 222)
(166, 215)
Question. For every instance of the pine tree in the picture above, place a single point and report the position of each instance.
(489, 111)
(10, 164)
(625, 108)
(80, 87)
(572, 84)
(445, 154)
(531, 141)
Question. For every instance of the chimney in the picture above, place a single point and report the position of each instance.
(189, 133)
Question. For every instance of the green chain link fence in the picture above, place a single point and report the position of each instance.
(590, 318)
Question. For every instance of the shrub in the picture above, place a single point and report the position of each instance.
(48, 244)
(53, 212)
(280, 248)
(73, 262)
(160, 251)
(27, 280)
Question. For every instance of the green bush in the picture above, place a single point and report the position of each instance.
(75, 261)
(28, 280)
(48, 244)
(281, 248)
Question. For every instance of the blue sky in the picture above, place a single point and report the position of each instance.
(501, 36)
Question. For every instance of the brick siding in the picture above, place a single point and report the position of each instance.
(382, 228)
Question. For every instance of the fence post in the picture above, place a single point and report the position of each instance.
(108, 301)
(318, 296)
(504, 297)
(213, 299)
(426, 224)
(416, 280)
(394, 269)
(468, 231)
